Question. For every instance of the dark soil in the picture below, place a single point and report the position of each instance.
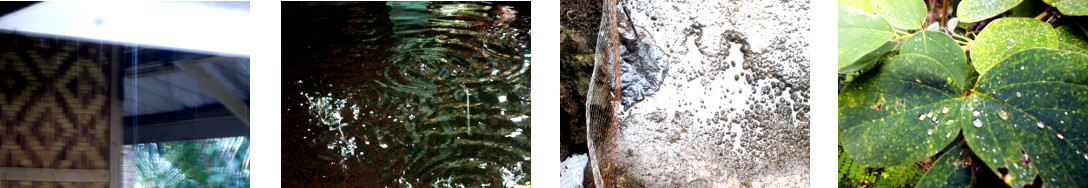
(580, 15)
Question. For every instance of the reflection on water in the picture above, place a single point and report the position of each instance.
(419, 94)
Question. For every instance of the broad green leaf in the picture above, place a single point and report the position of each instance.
(951, 170)
(1033, 105)
(864, 5)
(963, 24)
(901, 112)
(1069, 40)
(1025, 115)
(870, 58)
(1070, 7)
(942, 48)
(860, 33)
(978, 10)
(906, 14)
(1006, 36)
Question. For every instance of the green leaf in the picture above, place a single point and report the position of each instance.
(870, 58)
(906, 14)
(978, 10)
(1069, 40)
(1024, 115)
(942, 48)
(217, 178)
(1006, 36)
(860, 33)
(209, 150)
(864, 5)
(852, 175)
(1070, 7)
(962, 24)
(189, 164)
(1033, 105)
(897, 113)
(899, 176)
(950, 170)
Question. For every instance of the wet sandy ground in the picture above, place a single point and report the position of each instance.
(733, 109)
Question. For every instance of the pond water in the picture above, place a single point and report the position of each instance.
(407, 94)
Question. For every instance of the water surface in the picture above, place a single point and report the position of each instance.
(419, 94)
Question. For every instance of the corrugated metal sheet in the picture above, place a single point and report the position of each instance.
(176, 90)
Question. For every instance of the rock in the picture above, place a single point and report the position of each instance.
(576, 66)
(573, 171)
(642, 72)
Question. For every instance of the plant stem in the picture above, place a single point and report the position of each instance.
(971, 33)
(1043, 15)
(631, 23)
(1081, 27)
(944, 7)
(899, 35)
(962, 37)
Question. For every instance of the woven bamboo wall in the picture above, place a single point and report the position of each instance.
(54, 106)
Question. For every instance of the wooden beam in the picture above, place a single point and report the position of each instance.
(116, 118)
(155, 68)
(203, 128)
(186, 114)
(55, 175)
(187, 124)
(216, 88)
